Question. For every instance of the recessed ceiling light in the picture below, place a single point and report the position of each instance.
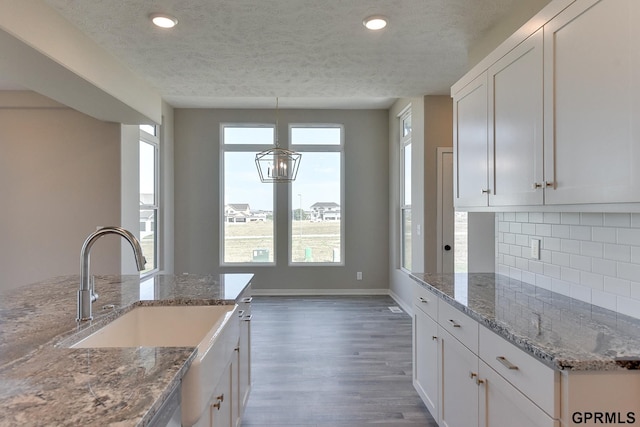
(163, 20)
(375, 22)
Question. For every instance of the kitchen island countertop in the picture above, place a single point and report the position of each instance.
(45, 383)
(562, 332)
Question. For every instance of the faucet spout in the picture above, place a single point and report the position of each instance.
(86, 294)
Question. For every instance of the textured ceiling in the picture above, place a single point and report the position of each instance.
(309, 53)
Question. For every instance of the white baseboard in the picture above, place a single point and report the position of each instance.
(316, 292)
(406, 307)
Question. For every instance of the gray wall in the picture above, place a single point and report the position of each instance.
(197, 199)
(59, 179)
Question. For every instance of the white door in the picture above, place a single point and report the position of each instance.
(445, 219)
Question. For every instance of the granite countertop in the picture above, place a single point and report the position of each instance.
(562, 332)
(44, 383)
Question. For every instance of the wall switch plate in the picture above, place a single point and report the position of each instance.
(359, 275)
(535, 248)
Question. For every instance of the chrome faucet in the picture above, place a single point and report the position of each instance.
(86, 294)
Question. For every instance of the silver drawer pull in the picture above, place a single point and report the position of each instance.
(248, 318)
(247, 300)
(506, 363)
(240, 313)
(454, 323)
(424, 300)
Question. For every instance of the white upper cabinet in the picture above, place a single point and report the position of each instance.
(592, 103)
(470, 169)
(515, 126)
(562, 112)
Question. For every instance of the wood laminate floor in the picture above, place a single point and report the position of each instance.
(332, 362)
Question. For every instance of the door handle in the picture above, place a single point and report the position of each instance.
(447, 247)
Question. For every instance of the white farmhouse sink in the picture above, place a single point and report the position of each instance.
(213, 329)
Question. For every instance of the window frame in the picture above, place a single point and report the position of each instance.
(247, 148)
(317, 148)
(154, 141)
(404, 207)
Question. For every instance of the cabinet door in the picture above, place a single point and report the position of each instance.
(470, 179)
(244, 361)
(221, 405)
(425, 359)
(502, 405)
(592, 103)
(459, 388)
(515, 125)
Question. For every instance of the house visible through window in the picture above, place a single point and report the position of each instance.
(149, 205)
(248, 215)
(405, 190)
(316, 227)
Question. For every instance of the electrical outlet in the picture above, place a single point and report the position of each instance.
(535, 248)
(359, 275)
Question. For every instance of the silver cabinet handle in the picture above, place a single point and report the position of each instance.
(485, 191)
(240, 313)
(454, 323)
(247, 300)
(506, 363)
(248, 318)
(424, 300)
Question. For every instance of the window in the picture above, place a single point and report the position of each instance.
(149, 205)
(247, 203)
(316, 226)
(405, 190)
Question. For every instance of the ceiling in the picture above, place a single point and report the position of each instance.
(308, 53)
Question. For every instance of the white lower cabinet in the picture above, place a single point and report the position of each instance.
(502, 405)
(426, 351)
(222, 401)
(459, 383)
(468, 376)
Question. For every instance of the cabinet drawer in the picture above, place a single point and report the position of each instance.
(426, 300)
(458, 324)
(534, 379)
(502, 405)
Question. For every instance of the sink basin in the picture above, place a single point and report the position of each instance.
(213, 329)
(163, 326)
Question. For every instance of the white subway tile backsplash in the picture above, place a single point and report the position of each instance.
(560, 258)
(629, 271)
(570, 246)
(589, 218)
(551, 243)
(594, 257)
(561, 231)
(592, 249)
(592, 280)
(536, 217)
(570, 218)
(580, 232)
(580, 262)
(617, 219)
(604, 267)
(603, 234)
(551, 217)
(617, 286)
(529, 229)
(629, 236)
(617, 252)
(552, 271)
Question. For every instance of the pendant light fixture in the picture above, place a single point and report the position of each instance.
(278, 164)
